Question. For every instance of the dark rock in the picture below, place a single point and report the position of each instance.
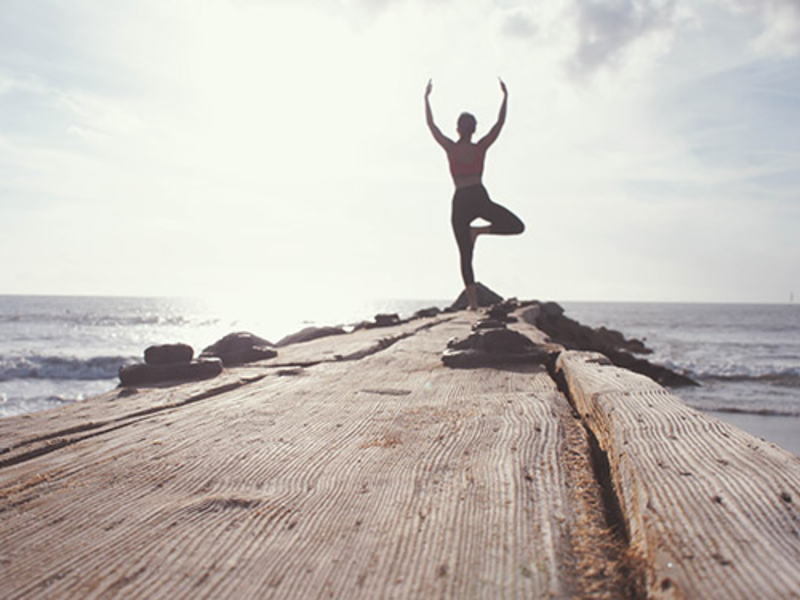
(308, 334)
(502, 309)
(552, 309)
(489, 323)
(531, 314)
(166, 354)
(574, 335)
(147, 374)
(362, 325)
(657, 373)
(486, 297)
(505, 341)
(239, 348)
(427, 312)
(387, 320)
(550, 318)
(491, 347)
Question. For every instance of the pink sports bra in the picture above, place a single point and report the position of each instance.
(466, 169)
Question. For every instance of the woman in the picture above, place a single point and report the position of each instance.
(471, 199)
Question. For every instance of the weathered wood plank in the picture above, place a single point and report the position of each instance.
(34, 433)
(390, 476)
(711, 510)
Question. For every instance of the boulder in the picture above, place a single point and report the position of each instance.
(552, 309)
(148, 374)
(489, 323)
(493, 347)
(240, 348)
(308, 334)
(166, 354)
(502, 309)
(427, 312)
(486, 297)
(531, 314)
(387, 320)
(550, 318)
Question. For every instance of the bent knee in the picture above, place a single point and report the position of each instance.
(516, 227)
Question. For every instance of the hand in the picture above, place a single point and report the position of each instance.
(429, 88)
(503, 86)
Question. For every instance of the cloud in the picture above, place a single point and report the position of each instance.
(606, 29)
(781, 24)
(519, 24)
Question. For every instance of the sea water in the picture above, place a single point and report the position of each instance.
(746, 357)
(56, 350)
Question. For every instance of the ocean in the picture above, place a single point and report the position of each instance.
(56, 350)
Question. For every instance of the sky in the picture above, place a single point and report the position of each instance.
(279, 147)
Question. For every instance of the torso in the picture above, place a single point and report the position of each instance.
(466, 163)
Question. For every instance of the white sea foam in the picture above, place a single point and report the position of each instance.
(63, 349)
(61, 367)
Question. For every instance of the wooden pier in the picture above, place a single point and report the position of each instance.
(359, 466)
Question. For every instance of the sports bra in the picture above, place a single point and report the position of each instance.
(466, 169)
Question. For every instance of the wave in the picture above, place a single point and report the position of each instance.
(61, 368)
(772, 374)
(90, 320)
(763, 412)
(786, 378)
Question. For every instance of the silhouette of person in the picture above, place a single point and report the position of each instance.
(471, 200)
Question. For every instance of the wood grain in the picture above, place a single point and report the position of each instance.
(711, 511)
(35, 433)
(384, 476)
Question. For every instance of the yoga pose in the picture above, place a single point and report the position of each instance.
(471, 200)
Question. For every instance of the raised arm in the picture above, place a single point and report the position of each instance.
(440, 138)
(490, 137)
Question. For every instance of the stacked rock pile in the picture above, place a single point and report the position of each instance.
(491, 343)
(175, 362)
(550, 318)
(239, 348)
(169, 362)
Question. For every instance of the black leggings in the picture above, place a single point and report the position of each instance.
(468, 204)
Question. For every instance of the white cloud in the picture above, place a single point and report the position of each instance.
(607, 30)
(780, 20)
(285, 141)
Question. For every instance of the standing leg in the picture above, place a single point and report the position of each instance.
(461, 219)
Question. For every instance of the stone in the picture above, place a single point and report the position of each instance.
(486, 297)
(148, 374)
(309, 333)
(427, 312)
(531, 314)
(488, 323)
(240, 348)
(166, 354)
(550, 318)
(387, 320)
(505, 341)
(493, 347)
(502, 309)
(552, 309)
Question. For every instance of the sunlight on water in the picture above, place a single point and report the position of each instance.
(62, 349)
